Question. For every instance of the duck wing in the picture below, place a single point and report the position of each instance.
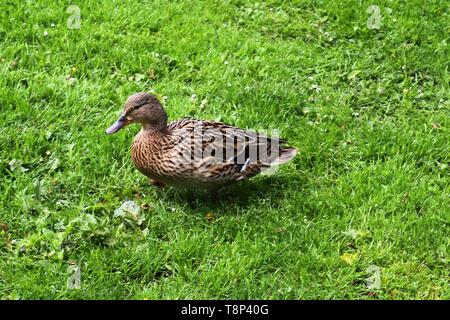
(217, 151)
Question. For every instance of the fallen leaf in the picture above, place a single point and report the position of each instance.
(138, 77)
(145, 206)
(129, 209)
(435, 125)
(54, 164)
(15, 165)
(352, 75)
(354, 234)
(203, 103)
(70, 80)
(13, 65)
(349, 258)
(210, 217)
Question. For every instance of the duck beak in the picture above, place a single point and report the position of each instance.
(119, 124)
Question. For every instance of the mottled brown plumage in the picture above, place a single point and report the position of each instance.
(195, 153)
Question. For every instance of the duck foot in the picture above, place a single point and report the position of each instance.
(156, 183)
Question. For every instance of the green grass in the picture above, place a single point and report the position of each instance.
(367, 108)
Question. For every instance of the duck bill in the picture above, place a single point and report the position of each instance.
(119, 124)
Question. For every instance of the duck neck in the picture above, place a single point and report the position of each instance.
(160, 128)
(156, 121)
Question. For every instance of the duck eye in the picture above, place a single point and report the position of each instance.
(139, 105)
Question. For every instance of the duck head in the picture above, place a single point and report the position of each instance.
(143, 108)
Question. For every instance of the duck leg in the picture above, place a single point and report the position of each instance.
(156, 183)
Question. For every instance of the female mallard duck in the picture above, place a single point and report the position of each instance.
(192, 152)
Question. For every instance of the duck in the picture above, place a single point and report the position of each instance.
(195, 153)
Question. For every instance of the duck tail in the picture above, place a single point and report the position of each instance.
(286, 154)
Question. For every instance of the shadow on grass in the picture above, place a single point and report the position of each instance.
(248, 193)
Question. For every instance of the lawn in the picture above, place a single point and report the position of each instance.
(362, 91)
